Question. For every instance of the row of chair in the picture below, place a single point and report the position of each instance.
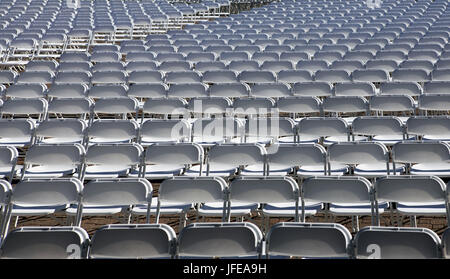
(277, 196)
(161, 160)
(225, 240)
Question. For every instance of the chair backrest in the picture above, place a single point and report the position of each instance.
(336, 189)
(27, 107)
(237, 154)
(410, 189)
(45, 243)
(345, 104)
(61, 130)
(273, 127)
(164, 130)
(377, 125)
(358, 153)
(139, 241)
(396, 243)
(117, 106)
(217, 128)
(207, 240)
(113, 130)
(169, 153)
(391, 103)
(421, 152)
(322, 126)
(117, 192)
(430, 126)
(67, 155)
(127, 154)
(299, 104)
(311, 240)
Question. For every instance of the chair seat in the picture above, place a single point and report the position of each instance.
(378, 169)
(102, 171)
(336, 169)
(35, 210)
(355, 209)
(61, 140)
(389, 139)
(275, 169)
(287, 209)
(95, 210)
(439, 169)
(208, 140)
(214, 170)
(108, 140)
(431, 209)
(435, 137)
(334, 139)
(215, 209)
(16, 142)
(260, 140)
(45, 171)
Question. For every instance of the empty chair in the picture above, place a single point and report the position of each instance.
(181, 193)
(417, 75)
(433, 103)
(45, 243)
(74, 57)
(110, 77)
(74, 67)
(435, 87)
(347, 65)
(165, 106)
(150, 90)
(39, 66)
(40, 197)
(140, 57)
(276, 66)
(230, 90)
(25, 91)
(346, 195)
(72, 78)
(299, 105)
(62, 107)
(413, 195)
(294, 76)
(270, 90)
(49, 161)
(67, 91)
(16, 132)
(358, 55)
(371, 75)
(440, 75)
(257, 77)
(224, 240)
(219, 76)
(7, 77)
(418, 64)
(400, 88)
(112, 131)
(395, 55)
(203, 66)
(396, 243)
(136, 66)
(424, 158)
(253, 106)
(106, 197)
(391, 103)
(163, 160)
(164, 130)
(318, 89)
(139, 241)
(35, 78)
(385, 65)
(225, 159)
(145, 77)
(310, 240)
(59, 131)
(338, 105)
(354, 89)
(328, 129)
(210, 131)
(172, 66)
(116, 106)
(246, 192)
(112, 160)
(107, 91)
(332, 76)
(385, 129)
(294, 56)
(97, 57)
(312, 65)
(187, 90)
(182, 77)
(243, 65)
(429, 128)
(368, 159)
